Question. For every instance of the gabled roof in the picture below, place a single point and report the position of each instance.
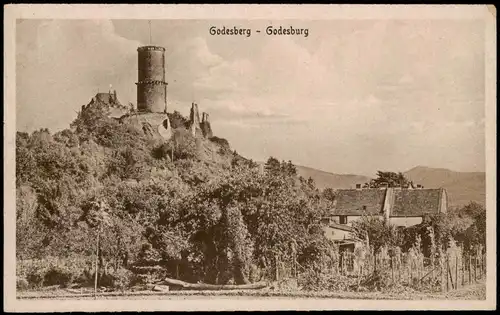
(402, 202)
(359, 201)
(417, 202)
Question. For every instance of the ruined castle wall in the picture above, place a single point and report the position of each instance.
(194, 120)
(205, 126)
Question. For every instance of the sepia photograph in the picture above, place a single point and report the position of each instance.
(249, 157)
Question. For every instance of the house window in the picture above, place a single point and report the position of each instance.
(343, 219)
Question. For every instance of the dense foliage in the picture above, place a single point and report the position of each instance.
(188, 208)
(466, 226)
(389, 179)
(103, 186)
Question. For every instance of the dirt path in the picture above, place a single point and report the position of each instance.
(472, 292)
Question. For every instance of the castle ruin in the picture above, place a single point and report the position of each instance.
(151, 114)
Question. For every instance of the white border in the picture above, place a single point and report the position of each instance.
(310, 12)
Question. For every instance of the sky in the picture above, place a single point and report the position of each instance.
(353, 97)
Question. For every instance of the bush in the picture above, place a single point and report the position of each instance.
(58, 275)
(220, 141)
(122, 279)
(35, 277)
(22, 284)
(177, 120)
(320, 281)
(162, 151)
(53, 271)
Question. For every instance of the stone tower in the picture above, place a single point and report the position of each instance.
(151, 85)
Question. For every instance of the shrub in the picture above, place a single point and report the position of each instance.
(162, 151)
(312, 280)
(22, 284)
(58, 275)
(122, 279)
(220, 141)
(35, 277)
(177, 120)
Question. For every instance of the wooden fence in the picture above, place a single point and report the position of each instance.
(444, 273)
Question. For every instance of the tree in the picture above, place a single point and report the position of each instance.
(378, 231)
(272, 166)
(97, 218)
(329, 194)
(392, 179)
(103, 184)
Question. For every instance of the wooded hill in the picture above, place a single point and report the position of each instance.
(190, 205)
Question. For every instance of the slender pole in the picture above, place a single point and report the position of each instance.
(432, 272)
(441, 266)
(172, 152)
(470, 269)
(481, 266)
(447, 269)
(484, 264)
(409, 271)
(276, 266)
(392, 268)
(150, 38)
(478, 263)
(475, 270)
(462, 263)
(456, 272)
(96, 264)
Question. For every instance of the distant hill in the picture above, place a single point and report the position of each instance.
(324, 179)
(462, 187)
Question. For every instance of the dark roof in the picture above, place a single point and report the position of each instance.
(404, 202)
(416, 202)
(359, 201)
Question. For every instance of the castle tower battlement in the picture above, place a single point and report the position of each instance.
(151, 85)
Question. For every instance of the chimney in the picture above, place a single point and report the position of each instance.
(389, 197)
